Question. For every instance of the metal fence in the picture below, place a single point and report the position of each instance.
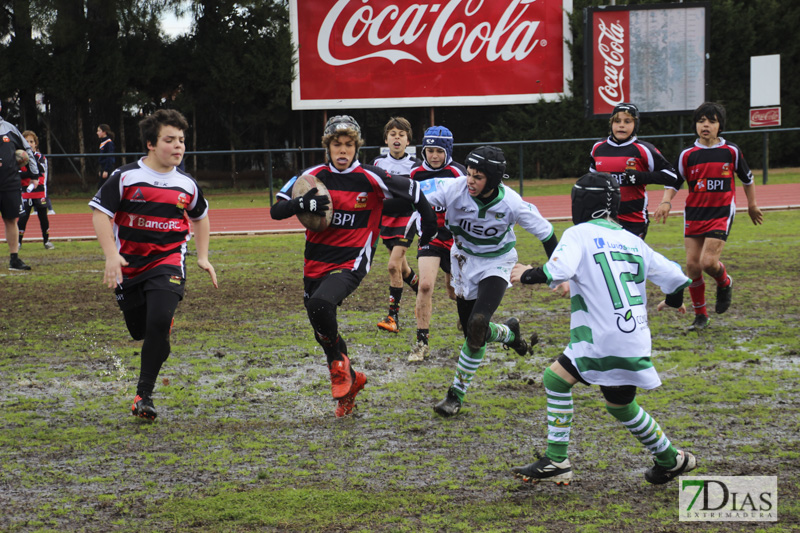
(272, 167)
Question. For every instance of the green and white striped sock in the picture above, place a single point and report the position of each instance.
(559, 415)
(500, 333)
(468, 364)
(646, 429)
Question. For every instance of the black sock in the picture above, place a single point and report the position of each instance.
(145, 388)
(412, 280)
(422, 335)
(395, 293)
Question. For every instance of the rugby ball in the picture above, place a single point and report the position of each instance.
(21, 157)
(311, 221)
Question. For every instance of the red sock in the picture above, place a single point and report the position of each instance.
(697, 291)
(723, 280)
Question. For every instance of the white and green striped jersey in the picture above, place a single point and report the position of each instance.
(607, 267)
(484, 230)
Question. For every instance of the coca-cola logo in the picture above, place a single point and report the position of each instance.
(770, 116)
(457, 29)
(765, 116)
(611, 47)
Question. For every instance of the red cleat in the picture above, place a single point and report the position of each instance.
(341, 378)
(346, 404)
(143, 408)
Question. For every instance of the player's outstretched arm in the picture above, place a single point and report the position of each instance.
(202, 235)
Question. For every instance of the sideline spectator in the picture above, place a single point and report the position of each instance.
(34, 193)
(10, 183)
(107, 163)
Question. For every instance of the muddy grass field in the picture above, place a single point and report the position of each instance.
(246, 439)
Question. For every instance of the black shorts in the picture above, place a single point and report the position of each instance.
(716, 234)
(637, 228)
(36, 203)
(134, 296)
(333, 287)
(11, 204)
(405, 242)
(443, 254)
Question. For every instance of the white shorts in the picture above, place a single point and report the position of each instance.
(468, 270)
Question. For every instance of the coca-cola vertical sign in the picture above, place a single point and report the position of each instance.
(391, 53)
(654, 55)
(611, 60)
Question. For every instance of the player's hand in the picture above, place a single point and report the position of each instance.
(429, 232)
(562, 289)
(517, 271)
(633, 176)
(663, 305)
(755, 214)
(662, 212)
(30, 187)
(112, 275)
(208, 267)
(310, 202)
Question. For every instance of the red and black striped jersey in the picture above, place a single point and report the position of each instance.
(151, 212)
(444, 239)
(708, 172)
(615, 158)
(357, 196)
(41, 180)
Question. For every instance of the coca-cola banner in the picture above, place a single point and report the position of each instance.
(390, 53)
(765, 117)
(655, 56)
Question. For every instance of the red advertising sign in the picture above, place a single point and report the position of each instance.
(653, 55)
(765, 116)
(611, 60)
(389, 53)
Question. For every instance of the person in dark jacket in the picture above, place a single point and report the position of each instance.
(10, 182)
(106, 162)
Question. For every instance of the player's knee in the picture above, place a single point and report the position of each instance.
(425, 288)
(394, 268)
(477, 330)
(318, 308)
(622, 395)
(713, 267)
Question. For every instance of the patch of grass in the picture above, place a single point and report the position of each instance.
(246, 439)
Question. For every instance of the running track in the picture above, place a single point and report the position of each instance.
(252, 221)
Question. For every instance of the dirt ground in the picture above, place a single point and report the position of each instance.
(236, 415)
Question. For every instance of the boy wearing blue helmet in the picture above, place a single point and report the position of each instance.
(437, 155)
